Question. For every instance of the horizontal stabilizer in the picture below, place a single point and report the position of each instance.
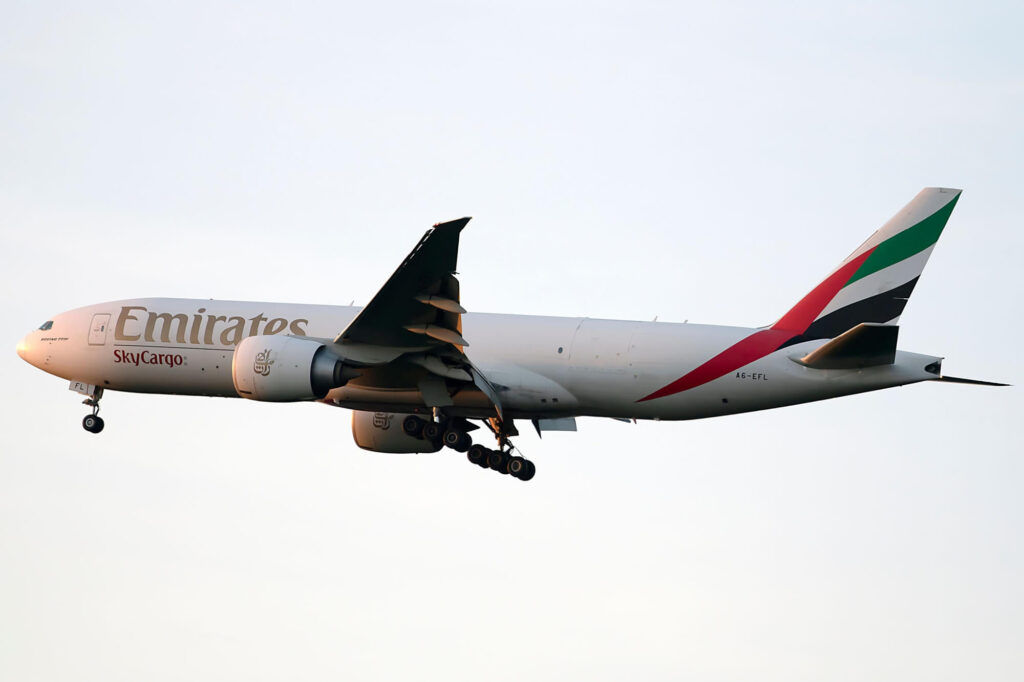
(975, 382)
(869, 344)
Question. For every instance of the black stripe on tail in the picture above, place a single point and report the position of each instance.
(879, 308)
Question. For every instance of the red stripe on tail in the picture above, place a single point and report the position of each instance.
(800, 316)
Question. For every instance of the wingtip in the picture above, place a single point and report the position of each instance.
(454, 224)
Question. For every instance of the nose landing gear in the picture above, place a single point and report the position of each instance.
(93, 423)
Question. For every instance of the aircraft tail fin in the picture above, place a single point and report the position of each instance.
(874, 283)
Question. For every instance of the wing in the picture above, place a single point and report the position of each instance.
(419, 304)
(416, 320)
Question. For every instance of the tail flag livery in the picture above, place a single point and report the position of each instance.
(875, 282)
(872, 285)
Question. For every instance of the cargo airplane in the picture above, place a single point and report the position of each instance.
(417, 370)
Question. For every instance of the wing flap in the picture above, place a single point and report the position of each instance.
(436, 331)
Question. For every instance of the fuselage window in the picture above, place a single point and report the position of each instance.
(46, 325)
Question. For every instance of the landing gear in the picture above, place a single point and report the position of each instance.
(502, 462)
(453, 433)
(93, 423)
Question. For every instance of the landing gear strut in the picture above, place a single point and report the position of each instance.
(93, 423)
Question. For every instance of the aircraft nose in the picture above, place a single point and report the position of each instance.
(23, 348)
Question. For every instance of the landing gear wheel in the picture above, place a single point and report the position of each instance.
(413, 426)
(477, 454)
(516, 466)
(432, 432)
(498, 460)
(528, 471)
(521, 468)
(92, 423)
(457, 440)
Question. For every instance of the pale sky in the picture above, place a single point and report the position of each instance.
(705, 162)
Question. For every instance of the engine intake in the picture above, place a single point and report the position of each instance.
(286, 369)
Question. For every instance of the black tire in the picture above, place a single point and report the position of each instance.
(498, 460)
(432, 432)
(450, 438)
(413, 426)
(92, 423)
(516, 466)
(477, 454)
(528, 471)
(457, 440)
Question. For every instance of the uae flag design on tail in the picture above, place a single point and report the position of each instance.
(872, 285)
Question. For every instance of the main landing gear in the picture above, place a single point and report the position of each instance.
(93, 423)
(502, 461)
(454, 433)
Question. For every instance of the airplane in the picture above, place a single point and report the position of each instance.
(417, 370)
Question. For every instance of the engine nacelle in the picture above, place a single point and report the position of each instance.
(382, 432)
(286, 369)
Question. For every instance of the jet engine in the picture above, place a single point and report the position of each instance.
(383, 432)
(286, 369)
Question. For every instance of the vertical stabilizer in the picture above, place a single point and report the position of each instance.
(875, 282)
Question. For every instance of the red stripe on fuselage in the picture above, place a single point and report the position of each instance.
(753, 347)
(765, 341)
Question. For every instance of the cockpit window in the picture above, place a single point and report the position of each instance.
(46, 325)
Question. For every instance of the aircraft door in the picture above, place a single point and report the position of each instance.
(98, 329)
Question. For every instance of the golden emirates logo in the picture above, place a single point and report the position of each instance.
(136, 322)
(263, 363)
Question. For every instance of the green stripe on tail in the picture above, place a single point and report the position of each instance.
(910, 241)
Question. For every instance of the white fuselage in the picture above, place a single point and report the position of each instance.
(544, 367)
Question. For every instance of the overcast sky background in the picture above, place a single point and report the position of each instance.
(708, 162)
